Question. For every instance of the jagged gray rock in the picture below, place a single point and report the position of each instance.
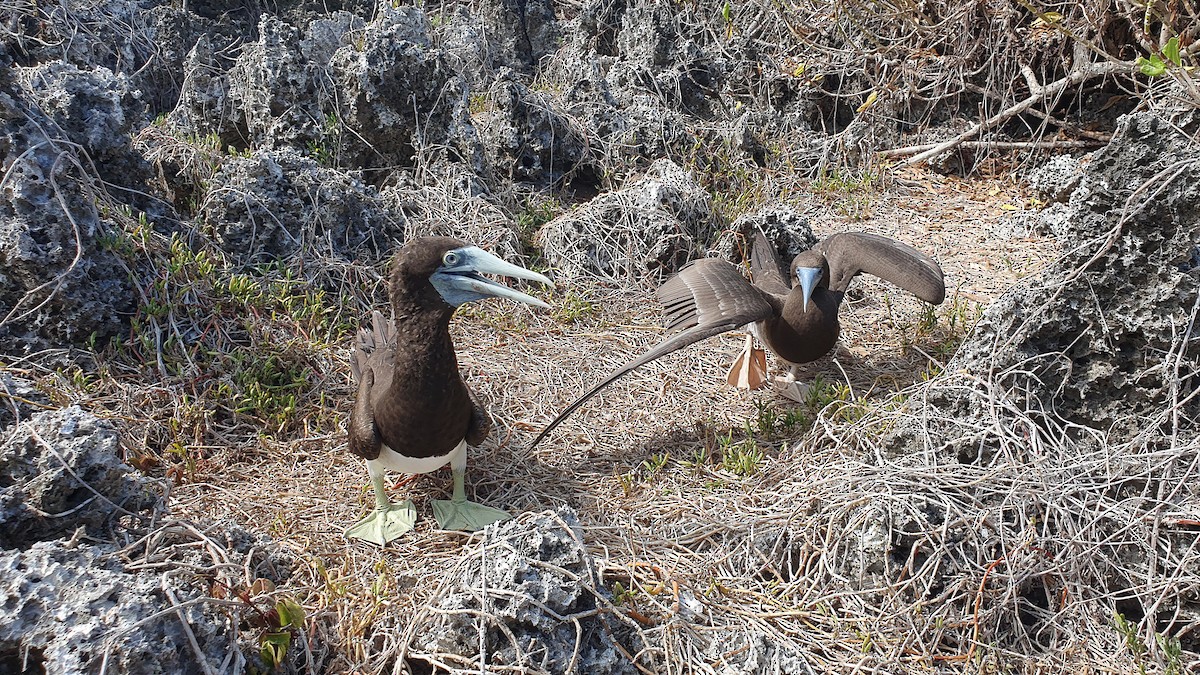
(1055, 180)
(519, 32)
(105, 618)
(525, 135)
(401, 97)
(278, 204)
(538, 579)
(1096, 339)
(641, 233)
(784, 226)
(61, 470)
(57, 283)
(455, 203)
(19, 400)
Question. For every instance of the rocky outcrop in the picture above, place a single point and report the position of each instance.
(275, 205)
(1104, 336)
(65, 131)
(538, 587)
(71, 609)
(62, 470)
(639, 234)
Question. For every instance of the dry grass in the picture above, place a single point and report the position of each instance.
(831, 549)
(642, 464)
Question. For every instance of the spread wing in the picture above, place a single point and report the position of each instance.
(764, 266)
(706, 298)
(852, 253)
(371, 364)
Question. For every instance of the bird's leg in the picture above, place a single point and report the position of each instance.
(790, 387)
(457, 513)
(749, 370)
(388, 521)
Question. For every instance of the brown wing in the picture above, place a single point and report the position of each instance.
(851, 253)
(371, 364)
(706, 298)
(480, 424)
(765, 267)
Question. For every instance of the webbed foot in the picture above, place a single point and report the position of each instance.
(464, 515)
(386, 523)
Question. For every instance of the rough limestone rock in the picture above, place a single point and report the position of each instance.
(640, 234)
(400, 95)
(279, 204)
(526, 137)
(754, 654)
(107, 614)
(57, 283)
(19, 400)
(455, 203)
(205, 106)
(60, 470)
(787, 228)
(519, 32)
(1055, 180)
(524, 574)
(91, 107)
(283, 85)
(1095, 339)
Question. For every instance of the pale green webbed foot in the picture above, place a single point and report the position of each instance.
(466, 516)
(386, 523)
(459, 514)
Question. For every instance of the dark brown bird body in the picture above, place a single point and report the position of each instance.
(798, 321)
(412, 412)
(415, 401)
(805, 335)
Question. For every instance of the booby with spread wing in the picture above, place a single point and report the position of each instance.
(413, 413)
(797, 320)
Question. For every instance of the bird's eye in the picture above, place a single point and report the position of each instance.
(450, 259)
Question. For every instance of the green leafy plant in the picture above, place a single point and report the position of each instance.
(655, 463)
(1155, 66)
(572, 307)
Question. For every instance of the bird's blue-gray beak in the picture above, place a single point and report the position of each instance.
(808, 277)
(460, 278)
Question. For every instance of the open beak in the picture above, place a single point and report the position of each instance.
(464, 281)
(808, 277)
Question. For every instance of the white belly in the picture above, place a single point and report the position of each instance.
(397, 462)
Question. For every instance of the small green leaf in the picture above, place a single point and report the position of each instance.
(1171, 50)
(272, 647)
(727, 12)
(290, 613)
(1152, 67)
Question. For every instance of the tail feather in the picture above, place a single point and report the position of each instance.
(379, 335)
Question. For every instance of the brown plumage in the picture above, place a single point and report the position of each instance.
(412, 411)
(432, 411)
(711, 296)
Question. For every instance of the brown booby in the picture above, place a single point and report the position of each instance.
(797, 320)
(413, 413)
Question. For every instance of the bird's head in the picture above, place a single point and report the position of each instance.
(809, 270)
(455, 270)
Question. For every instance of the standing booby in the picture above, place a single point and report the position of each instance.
(413, 413)
(797, 320)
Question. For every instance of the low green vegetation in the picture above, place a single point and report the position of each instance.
(225, 346)
(1169, 648)
(938, 330)
(850, 193)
